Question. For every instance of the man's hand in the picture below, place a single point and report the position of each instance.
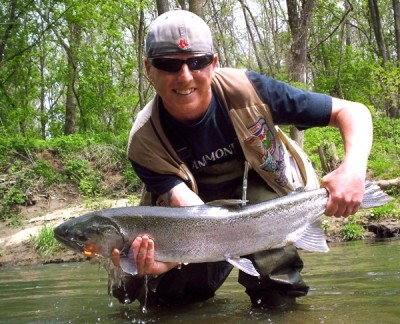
(346, 190)
(143, 251)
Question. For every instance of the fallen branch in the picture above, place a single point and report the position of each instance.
(384, 184)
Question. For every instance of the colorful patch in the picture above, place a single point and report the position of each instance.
(265, 145)
(183, 43)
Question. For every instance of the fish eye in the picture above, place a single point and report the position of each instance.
(81, 237)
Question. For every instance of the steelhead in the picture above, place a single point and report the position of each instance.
(208, 233)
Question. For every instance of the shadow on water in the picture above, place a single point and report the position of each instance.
(355, 282)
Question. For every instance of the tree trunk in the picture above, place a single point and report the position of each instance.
(162, 6)
(253, 41)
(182, 4)
(299, 15)
(328, 157)
(42, 108)
(141, 54)
(71, 101)
(396, 13)
(377, 27)
(8, 26)
(196, 6)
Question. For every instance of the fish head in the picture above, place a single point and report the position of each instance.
(91, 234)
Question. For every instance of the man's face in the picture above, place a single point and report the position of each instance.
(186, 93)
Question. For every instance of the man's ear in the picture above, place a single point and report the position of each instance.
(148, 66)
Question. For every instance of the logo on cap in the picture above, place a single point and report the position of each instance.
(183, 43)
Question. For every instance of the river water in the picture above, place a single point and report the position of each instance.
(357, 282)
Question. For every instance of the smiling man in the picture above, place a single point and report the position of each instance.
(196, 139)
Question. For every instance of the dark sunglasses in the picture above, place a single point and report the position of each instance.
(174, 65)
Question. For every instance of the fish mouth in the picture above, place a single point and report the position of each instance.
(62, 235)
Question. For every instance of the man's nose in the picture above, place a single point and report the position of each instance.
(185, 73)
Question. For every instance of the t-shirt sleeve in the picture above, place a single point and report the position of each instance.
(290, 105)
(155, 182)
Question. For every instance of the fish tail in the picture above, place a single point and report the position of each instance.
(374, 196)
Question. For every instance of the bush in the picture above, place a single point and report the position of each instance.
(87, 180)
(351, 230)
(43, 169)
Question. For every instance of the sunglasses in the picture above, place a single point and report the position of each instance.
(174, 65)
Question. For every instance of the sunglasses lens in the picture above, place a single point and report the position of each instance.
(199, 62)
(167, 64)
(174, 65)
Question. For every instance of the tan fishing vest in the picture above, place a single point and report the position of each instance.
(277, 159)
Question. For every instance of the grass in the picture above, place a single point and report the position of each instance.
(45, 242)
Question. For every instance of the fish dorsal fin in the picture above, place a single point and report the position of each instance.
(227, 203)
(299, 190)
(313, 238)
(243, 264)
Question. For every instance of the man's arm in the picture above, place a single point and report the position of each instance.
(143, 246)
(346, 184)
(180, 195)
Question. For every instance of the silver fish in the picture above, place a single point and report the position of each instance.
(208, 233)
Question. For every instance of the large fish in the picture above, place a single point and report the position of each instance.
(208, 233)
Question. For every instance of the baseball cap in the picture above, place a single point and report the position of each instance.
(178, 31)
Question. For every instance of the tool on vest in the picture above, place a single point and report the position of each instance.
(244, 187)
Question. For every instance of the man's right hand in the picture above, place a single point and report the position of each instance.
(143, 250)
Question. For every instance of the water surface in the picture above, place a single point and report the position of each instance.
(356, 282)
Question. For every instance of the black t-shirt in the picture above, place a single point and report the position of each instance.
(213, 140)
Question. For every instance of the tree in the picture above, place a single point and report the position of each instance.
(162, 6)
(377, 28)
(299, 15)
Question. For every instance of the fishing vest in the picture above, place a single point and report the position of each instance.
(277, 159)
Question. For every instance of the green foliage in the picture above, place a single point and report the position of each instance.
(44, 170)
(134, 200)
(384, 160)
(98, 203)
(65, 145)
(387, 81)
(385, 155)
(15, 196)
(34, 166)
(352, 230)
(13, 191)
(14, 220)
(387, 211)
(45, 242)
(314, 137)
(325, 224)
(88, 180)
(132, 181)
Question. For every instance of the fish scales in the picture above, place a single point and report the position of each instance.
(208, 233)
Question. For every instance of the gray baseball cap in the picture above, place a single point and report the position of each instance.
(178, 31)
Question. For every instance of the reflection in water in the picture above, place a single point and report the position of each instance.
(354, 283)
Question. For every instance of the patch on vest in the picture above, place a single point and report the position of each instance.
(264, 143)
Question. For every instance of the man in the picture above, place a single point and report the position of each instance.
(194, 142)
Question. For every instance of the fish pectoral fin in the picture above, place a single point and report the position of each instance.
(313, 238)
(243, 264)
(128, 263)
